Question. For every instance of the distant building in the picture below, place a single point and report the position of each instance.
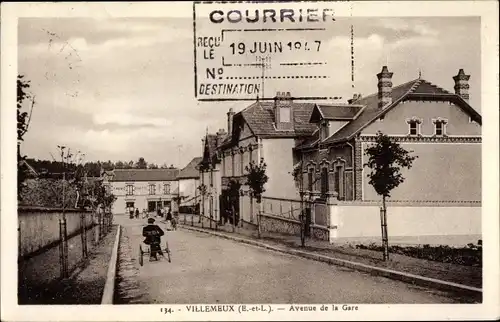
(189, 180)
(149, 189)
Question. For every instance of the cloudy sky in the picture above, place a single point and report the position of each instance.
(120, 89)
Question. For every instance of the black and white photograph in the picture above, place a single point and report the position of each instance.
(310, 160)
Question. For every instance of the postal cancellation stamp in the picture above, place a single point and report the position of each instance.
(243, 48)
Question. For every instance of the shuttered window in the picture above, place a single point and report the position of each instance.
(324, 181)
(310, 180)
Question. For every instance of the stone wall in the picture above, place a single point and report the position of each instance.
(269, 223)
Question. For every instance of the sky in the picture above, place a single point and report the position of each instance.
(121, 89)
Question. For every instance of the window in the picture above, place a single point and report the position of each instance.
(324, 181)
(232, 165)
(130, 204)
(130, 190)
(211, 178)
(439, 126)
(166, 189)
(223, 165)
(339, 187)
(152, 189)
(414, 126)
(242, 160)
(310, 180)
(285, 114)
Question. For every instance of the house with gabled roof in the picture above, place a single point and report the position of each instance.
(188, 181)
(267, 130)
(442, 129)
(143, 189)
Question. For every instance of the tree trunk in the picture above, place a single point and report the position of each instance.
(385, 238)
(258, 219)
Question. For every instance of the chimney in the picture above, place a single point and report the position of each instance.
(462, 84)
(283, 112)
(354, 98)
(220, 136)
(230, 116)
(384, 87)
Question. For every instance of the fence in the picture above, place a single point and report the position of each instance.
(285, 208)
(51, 244)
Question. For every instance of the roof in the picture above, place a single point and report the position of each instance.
(418, 88)
(209, 151)
(145, 175)
(190, 170)
(335, 112)
(260, 118)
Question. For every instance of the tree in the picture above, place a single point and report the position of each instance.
(23, 120)
(386, 159)
(256, 179)
(233, 193)
(202, 188)
(141, 164)
(152, 166)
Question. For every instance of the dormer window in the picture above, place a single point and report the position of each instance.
(414, 126)
(439, 126)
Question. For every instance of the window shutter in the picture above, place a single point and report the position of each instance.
(331, 181)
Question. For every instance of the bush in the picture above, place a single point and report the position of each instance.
(471, 255)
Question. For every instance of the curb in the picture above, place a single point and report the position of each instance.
(109, 287)
(392, 274)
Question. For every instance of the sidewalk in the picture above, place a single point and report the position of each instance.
(86, 284)
(465, 275)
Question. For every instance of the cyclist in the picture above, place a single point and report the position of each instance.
(153, 235)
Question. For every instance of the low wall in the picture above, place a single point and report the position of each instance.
(39, 227)
(451, 224)
(39, 255)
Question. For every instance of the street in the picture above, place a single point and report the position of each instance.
(209, 269)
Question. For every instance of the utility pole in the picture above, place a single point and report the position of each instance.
(263, 63)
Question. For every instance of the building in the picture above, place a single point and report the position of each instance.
(210, 175)
(441, 194)
(267, 130)
(442, 129)
(188, 181)
(148, 189)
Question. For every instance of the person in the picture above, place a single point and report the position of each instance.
(153, 234)
(144, 213)
(169, 218)
(136, 212)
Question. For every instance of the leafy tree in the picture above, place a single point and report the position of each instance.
(202, 188)
(23, 120)
(386, 159)
(141, 164)
(256, 179)
(233, 193)
(152, 166)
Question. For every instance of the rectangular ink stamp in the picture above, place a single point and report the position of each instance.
(252, 49)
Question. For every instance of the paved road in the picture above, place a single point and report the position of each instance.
(208, 269)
